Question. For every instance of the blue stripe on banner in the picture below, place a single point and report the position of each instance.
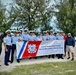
(21, 50)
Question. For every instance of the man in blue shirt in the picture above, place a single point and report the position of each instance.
(25, 35)
(7, 45)
(45, 36)
(60, 37)
(14, 40)
(32, 36)
(51, 38)
(70, 44)
(39, 37)
(20, 37)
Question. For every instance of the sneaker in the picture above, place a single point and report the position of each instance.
(68, 58)
(72, 59)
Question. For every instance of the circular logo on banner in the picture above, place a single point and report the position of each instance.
(32, 48)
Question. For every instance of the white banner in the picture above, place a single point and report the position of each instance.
(39, 48)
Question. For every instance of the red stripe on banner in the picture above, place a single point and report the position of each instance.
(31, 49)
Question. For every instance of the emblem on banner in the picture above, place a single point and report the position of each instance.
(32, 48)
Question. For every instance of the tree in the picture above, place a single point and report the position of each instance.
(72, 2)
(66, 19)
(6, 19)
(33, 14)
(1, 15)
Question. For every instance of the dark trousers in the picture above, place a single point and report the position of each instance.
(0, 46)
(12, 52)
(60, 56)
(7, 54)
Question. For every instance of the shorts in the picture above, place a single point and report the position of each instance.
(70, 49)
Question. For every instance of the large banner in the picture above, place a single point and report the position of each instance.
(39, 48)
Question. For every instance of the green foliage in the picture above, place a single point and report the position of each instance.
(31, 14)
(66, 18)
(72, 2)
(6, 20)
(34, 13)
(1, 15)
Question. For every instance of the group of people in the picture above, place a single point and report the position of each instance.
(10, 42)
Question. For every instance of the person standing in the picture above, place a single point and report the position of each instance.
(25, 35)
(60, 37)
(7, 45)
(65, 37)
(70, 44)
(51, 38)
(0, 45)
(14, 40)
(39, 37)
(32, 36)
(20, 37)
(45, 37)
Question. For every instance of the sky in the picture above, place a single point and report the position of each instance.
(7, 2)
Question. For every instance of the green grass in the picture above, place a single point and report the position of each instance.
(57, 68)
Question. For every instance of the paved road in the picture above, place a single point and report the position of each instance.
(28, 62)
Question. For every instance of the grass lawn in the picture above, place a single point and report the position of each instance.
(55, 68)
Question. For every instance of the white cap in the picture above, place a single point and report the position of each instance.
(69, 34)
(12, 30)
(61, 31)
(7, 31)
(51, 30)
(16, 31)
(19, 31)
(32, 31)
(48, 30)
(44, 31)
(26, 29)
